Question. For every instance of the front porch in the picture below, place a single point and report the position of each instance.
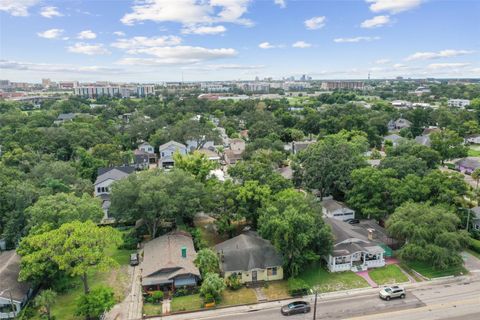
(372, 257)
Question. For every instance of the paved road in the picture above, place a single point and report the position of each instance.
(432, 301)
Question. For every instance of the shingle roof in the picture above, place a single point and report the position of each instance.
(393, 138)
(126, 169)
(175, 143)
(469, 162)
(66, 116)
(248, 251)
(165, 253)
(113, 174)
(9, 270)
(424, 140)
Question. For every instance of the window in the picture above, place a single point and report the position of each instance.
(272, 271)
(98, 190)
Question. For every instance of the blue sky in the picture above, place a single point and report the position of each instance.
(159, 40)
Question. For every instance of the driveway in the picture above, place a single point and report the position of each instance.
(472, 263)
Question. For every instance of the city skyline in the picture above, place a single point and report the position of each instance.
(163, 40)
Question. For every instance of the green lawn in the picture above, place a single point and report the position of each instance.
(235, 297)
(388, 275)
(151, 309)
(276, 290)
(316, 275)
(408, 270)
(430, 272)
(473, 253)
(473, 152)
(191, 302)
(116, 278)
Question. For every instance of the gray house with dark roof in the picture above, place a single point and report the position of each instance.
(168, 263)
(468, 164)
(352, 250)
(336, 210)
(166, 152)
(13, 294)
(250, 258)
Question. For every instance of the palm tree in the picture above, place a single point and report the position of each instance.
(476, 175)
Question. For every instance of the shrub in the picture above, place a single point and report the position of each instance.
(475, 245)
(181, 292)
(208, 298)
(130, 240)
(212, 285)
(155, 297)
(93, 304)
(297, 287)
(198, 241)
(233, 282)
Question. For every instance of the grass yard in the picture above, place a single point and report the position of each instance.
(116, 278)
(276, 290)
(473, 253)
(430, 272)
(191, 302)
(473, 152)
(390, 274)
(316, 275)
(151, 309)
(408, 270)
(240, 296)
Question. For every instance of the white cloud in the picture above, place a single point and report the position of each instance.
(393, 6)
(400, 66)
(143, 42)
(51, 34)
(46, 67)
(86, 35)
(301, 44)
(189, 11)
(382, 61)
(315, 23)
(202, 30)
(281, 3)
(88, 49)
(436, 55)
(177, 55)
(266, 45)
(452, 65)
(355, 39)
(119, 33)
(378, 21)
(50, 12)
(18, 8)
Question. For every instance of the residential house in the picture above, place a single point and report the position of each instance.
(166, 152)
(250, 258)
(297, 146)
(336, 209)
(64, 117)
(147, 147)
(424, 140)
(476, 218)
(210, 154)
(352, 250)
(168, 263)
(13, 293)
(193, 145)
(401, 104)
(467, 165)
(398, 124)
(105, 178)
(458, 103)
(235, 151)
(474, 139)
(144, 156)
(395, 139)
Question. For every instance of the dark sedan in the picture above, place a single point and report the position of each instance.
(296, 307)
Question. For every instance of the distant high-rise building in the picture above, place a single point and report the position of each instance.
(124, 91)
(4, 84)
(46, 83)
(333, 85)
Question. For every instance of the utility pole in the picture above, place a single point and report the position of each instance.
(315, 303)
(11, 302)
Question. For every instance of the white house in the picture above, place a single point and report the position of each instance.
(458, 103)
(194, 145)
(146, 147)
(166, 152)
(336, 210)
(13, 294)
(105, 178)
(474, 138)
(352, 250)
(398, 124)
(400, 104)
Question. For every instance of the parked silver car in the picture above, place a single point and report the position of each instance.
(296, 307)
(392, 292)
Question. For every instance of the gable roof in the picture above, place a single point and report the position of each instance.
(126, 169)
(174, 143)
(424, 140)
(113, 174)
(66, 116)
(9, 271)
(469, 162)
(248, 251)
(393, 137)
(165, 253)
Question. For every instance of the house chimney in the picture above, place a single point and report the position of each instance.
(184, 252)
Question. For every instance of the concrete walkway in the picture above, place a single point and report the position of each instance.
(166, 306)
(366, 276)
(260, 296)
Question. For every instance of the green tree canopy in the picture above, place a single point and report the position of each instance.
(430, 233)
(207, 261)
(195, 163)
(212, 286)
(93, 304)
(293, 223)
